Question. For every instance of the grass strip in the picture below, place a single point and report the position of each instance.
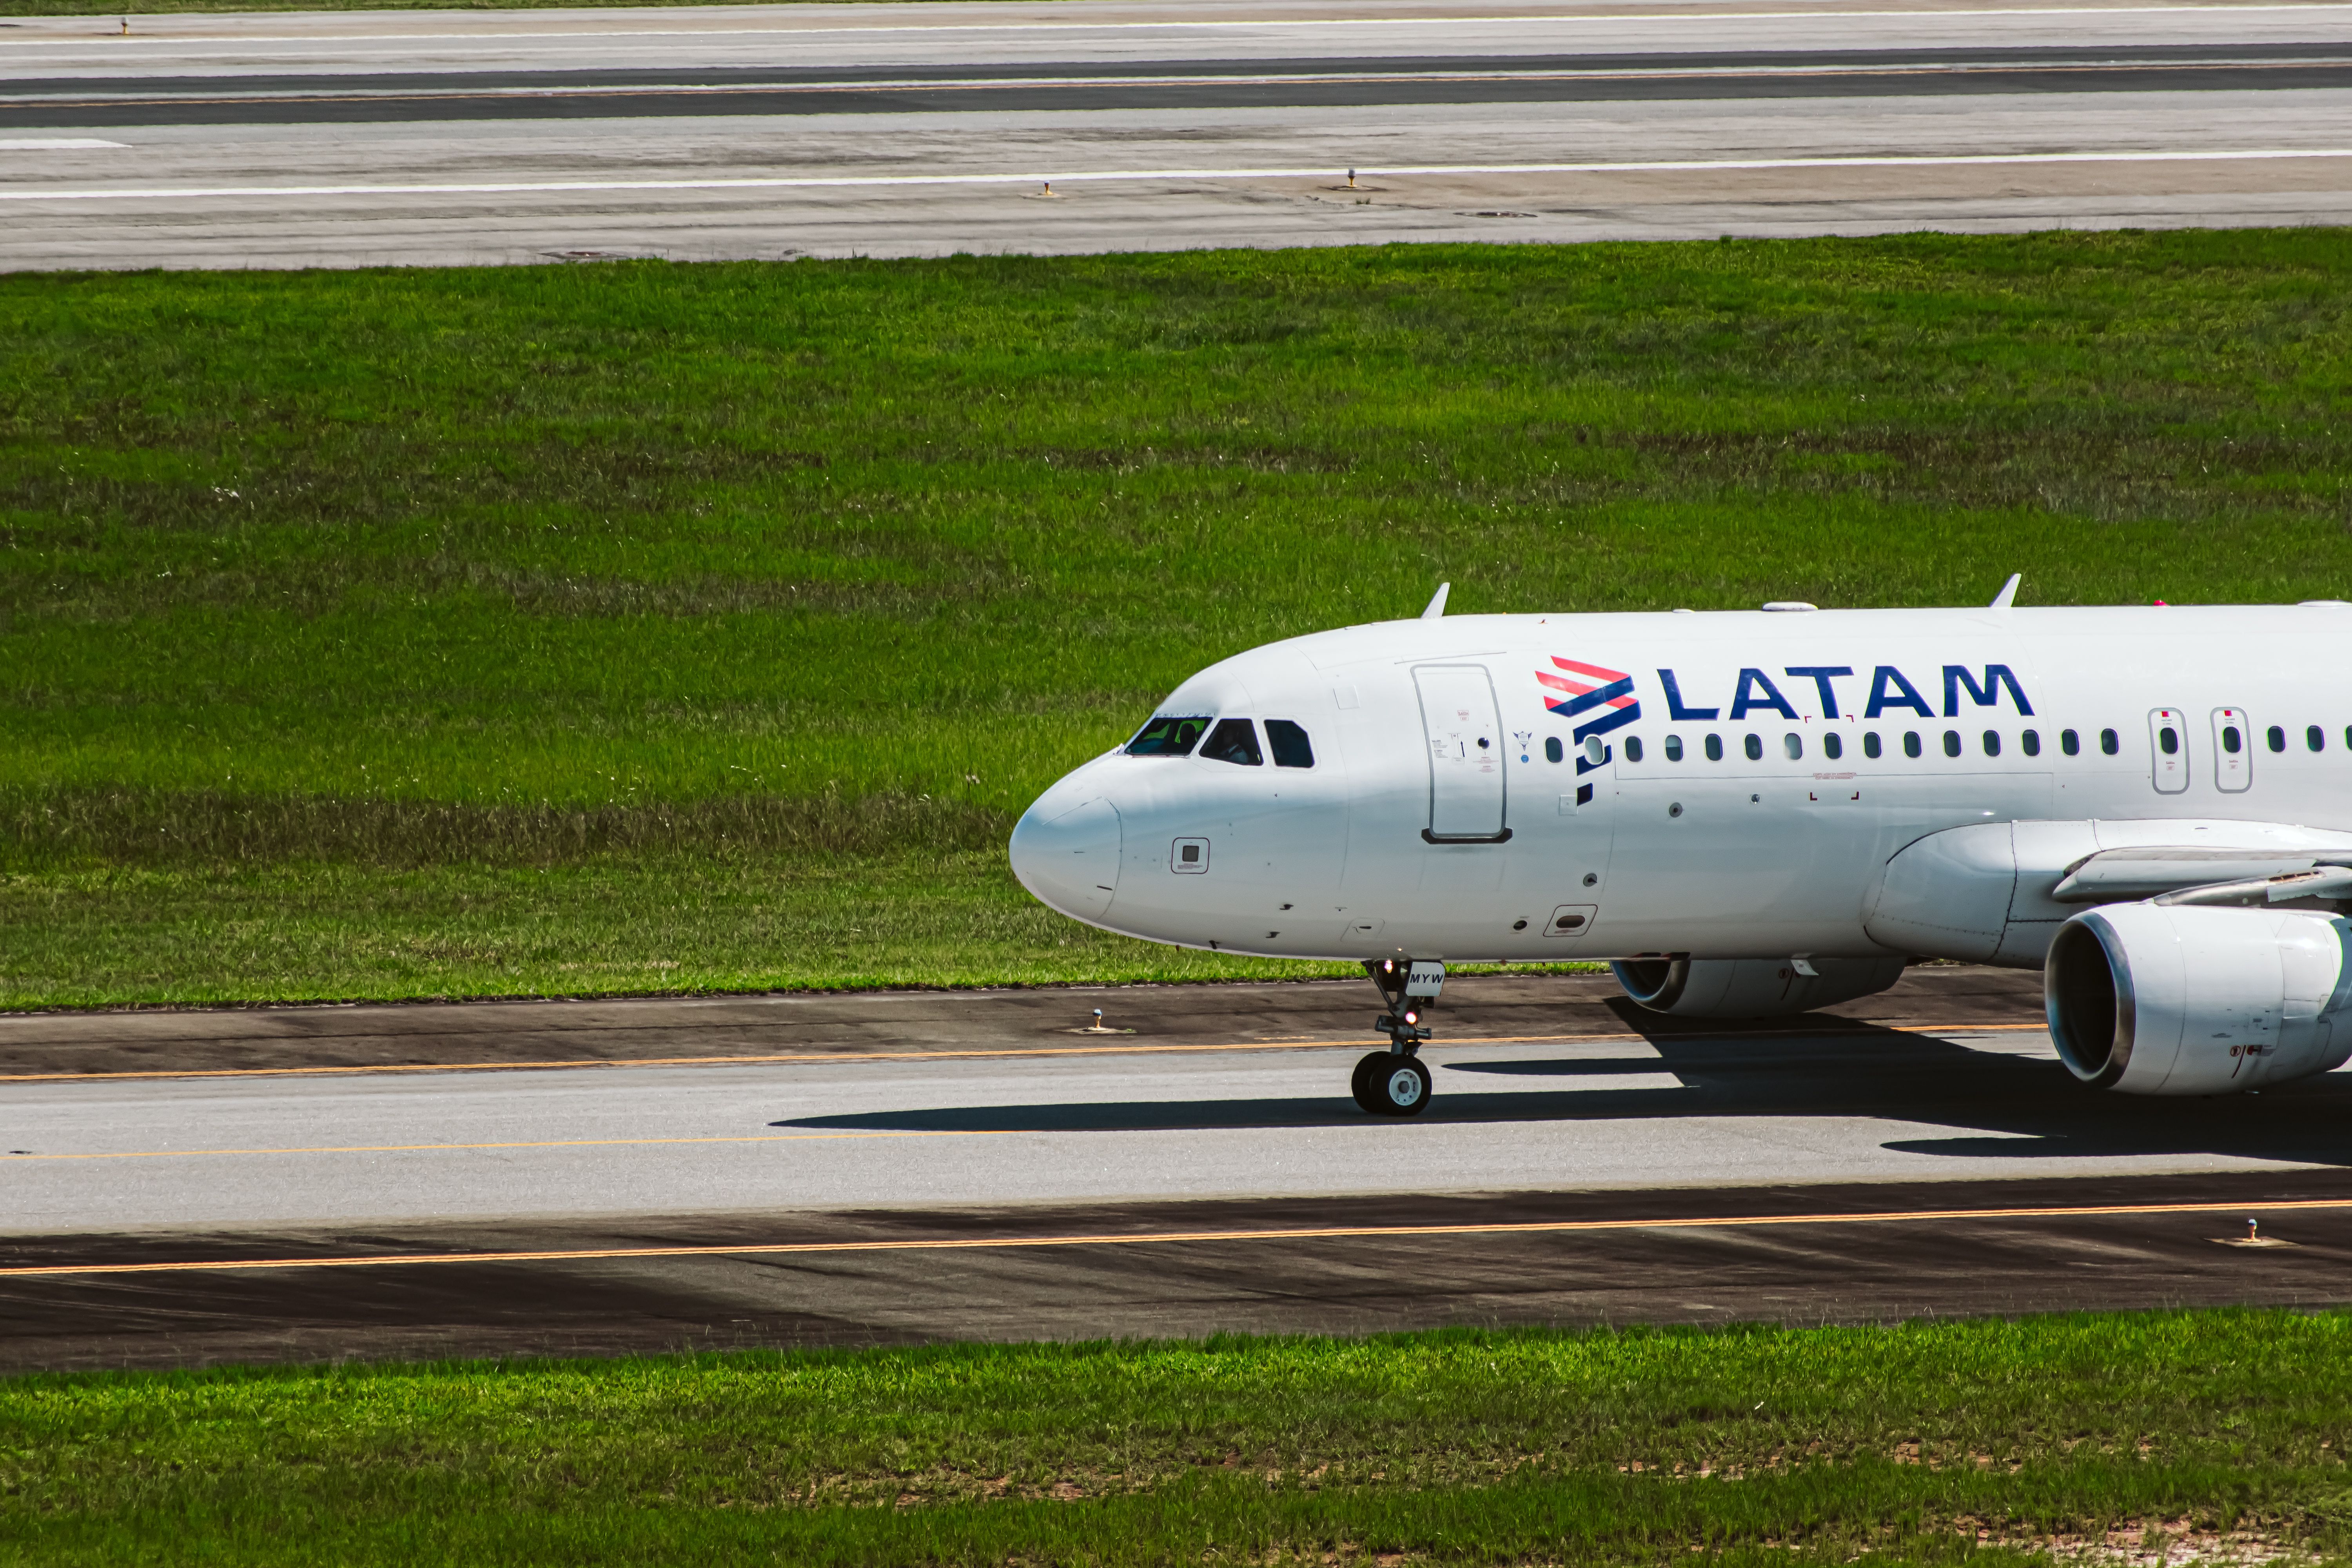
(678, 576)
(1916, 1443)
(311, 931)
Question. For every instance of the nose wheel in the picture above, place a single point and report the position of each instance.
(1394, 1082)
(1387, 1084)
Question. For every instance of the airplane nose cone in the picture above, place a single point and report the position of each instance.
(1069, 859)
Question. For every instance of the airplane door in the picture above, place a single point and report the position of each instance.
(2167, 736)
(1464, 733)
(2233, 750)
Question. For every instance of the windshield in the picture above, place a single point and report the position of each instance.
(1168, 735)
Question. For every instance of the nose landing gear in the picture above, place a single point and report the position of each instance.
(1395, 1082)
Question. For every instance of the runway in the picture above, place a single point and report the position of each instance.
(1089, 125)
(296, 1184)
(568, 1142)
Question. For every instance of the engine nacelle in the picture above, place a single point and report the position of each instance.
(2188, 999)
(1749, 988)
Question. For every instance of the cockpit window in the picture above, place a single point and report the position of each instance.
(1289, 745)
(1167, 736)
(1234, 741)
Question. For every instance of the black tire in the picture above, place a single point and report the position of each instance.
(1362, 1082)
(1401, 1086)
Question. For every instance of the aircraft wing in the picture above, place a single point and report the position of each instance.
(1997, 892)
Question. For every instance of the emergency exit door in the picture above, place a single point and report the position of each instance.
(1464, 730)
(2168, 743)
(2233, 750)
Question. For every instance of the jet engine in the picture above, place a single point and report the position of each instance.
(2183, 998)
(1751, 987)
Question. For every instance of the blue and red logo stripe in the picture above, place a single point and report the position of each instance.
(1587, 687)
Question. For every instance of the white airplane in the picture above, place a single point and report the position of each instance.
(1758, 813)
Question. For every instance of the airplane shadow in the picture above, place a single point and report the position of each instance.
(1997, 1106)
(1565, 1066)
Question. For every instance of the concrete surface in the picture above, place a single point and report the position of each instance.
(1875, 1105)
(928, 128)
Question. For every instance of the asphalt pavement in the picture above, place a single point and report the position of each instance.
(1087, 125)
(573, 1176)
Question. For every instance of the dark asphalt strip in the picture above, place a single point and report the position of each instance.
(2088, 1243)
(520, 1032)
(1757, 62)
(1287, 1235)
(244, 102)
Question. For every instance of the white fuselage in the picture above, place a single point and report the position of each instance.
(1531, 787)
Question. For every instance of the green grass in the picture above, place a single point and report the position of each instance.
(1896, 1445)
(394, 586)
(122, 935)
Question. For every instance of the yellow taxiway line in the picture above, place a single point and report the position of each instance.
(1297, 1043)
(1169, 1237)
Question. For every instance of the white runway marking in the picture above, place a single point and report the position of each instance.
(54, 144)
(1097, 176)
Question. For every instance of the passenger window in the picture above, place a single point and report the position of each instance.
(1951, 742)
(2314, 737)
(1794, 745)
(1234, 741)
(2167, 740)
(1870, 745)
(1910, 742)
(2030, 741)
(2276, 737)
(1753, 745)
(2069, 743)
(1674, 748)
(1289, 745)
(2110, 743)
(1992, 742)
(1632, 748)
(1553, 751)
(2229, 740)
(1167, 736)
(1832, 747)
(1715, 748)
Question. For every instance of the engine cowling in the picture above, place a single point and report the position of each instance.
(2185, 999)
(1749, 988)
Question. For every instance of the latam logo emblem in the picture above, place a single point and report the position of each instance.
(1589, 689)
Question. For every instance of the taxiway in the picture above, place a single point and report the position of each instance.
(1094, 125)
(505, 1177)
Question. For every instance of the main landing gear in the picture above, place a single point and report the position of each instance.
(1395, 1082)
